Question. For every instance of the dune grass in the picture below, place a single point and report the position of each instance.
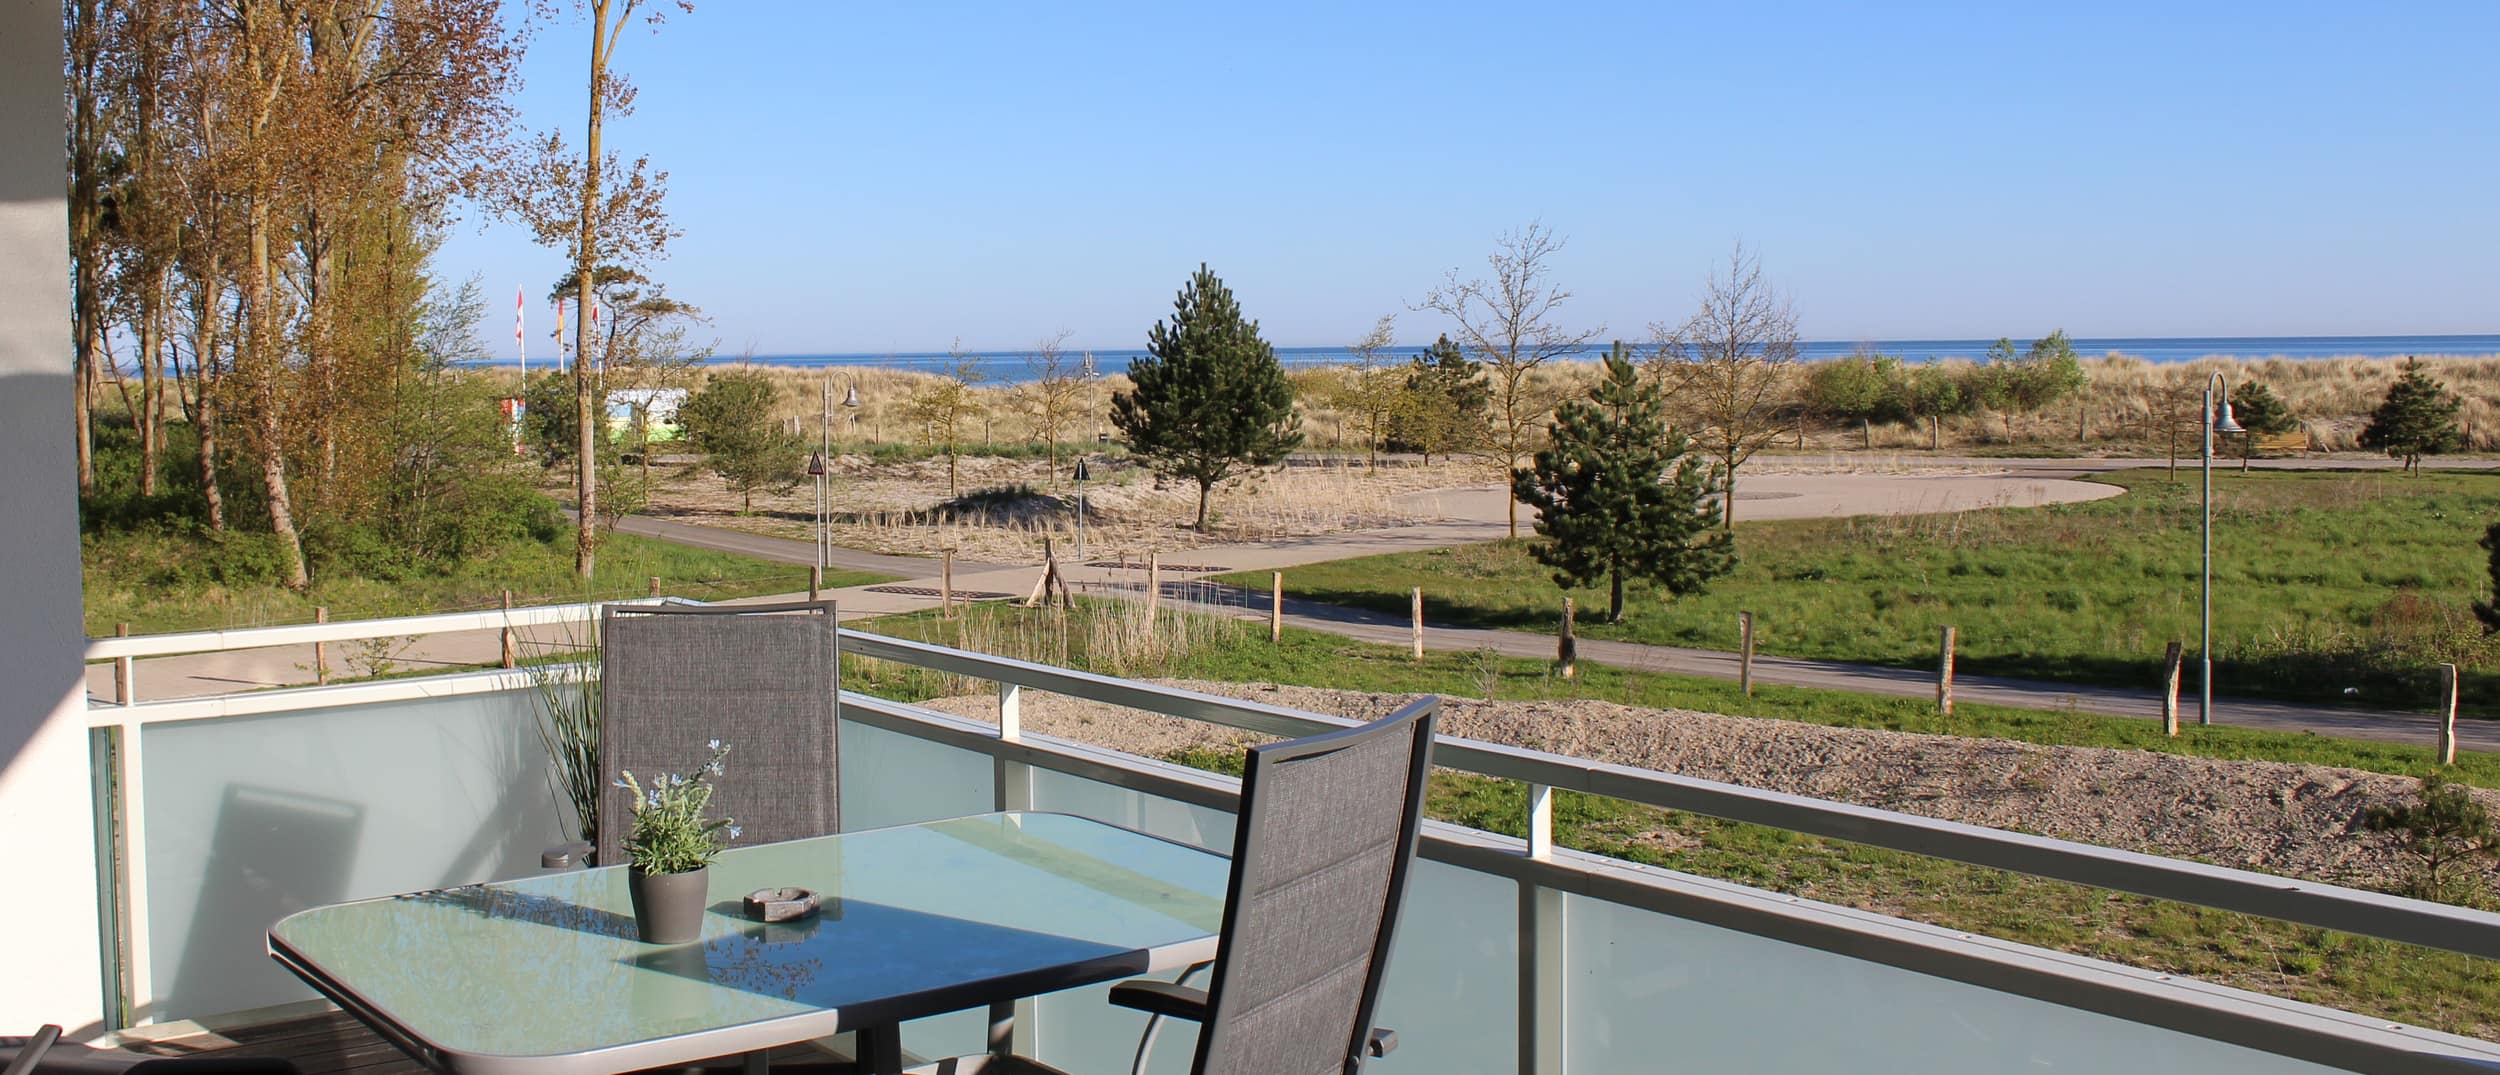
(2323, 582)
(142, 579)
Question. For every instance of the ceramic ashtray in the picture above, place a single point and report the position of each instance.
(780, 904)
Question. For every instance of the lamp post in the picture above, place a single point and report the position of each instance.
(1081, 475)
(816, 471)
(2216, 419)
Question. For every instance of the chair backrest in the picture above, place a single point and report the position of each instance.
(762, 678)
(1320, 857)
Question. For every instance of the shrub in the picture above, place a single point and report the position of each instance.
(2444, 826)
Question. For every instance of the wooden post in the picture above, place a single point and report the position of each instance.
(1567, 647)
(1276, 607)
(511, 645)
(1944, 676)
(815, 581)
(321, 651)
(2448, 715)
(2170, 689)
(946, 584)
(1418, 604)
(125, 672)
(1744, 660)
(655, 586)
(1154, 586)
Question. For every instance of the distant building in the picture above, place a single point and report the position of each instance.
(653, 409)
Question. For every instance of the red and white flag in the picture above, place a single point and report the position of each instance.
(520, 343)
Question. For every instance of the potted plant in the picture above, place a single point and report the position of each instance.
(669, 849)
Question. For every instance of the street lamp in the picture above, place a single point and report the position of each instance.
(1081, 475)
(816, 471)
(2216, 419)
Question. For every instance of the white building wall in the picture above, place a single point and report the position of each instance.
(51, 963)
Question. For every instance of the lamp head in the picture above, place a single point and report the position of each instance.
(2223, 422)
(850, 398)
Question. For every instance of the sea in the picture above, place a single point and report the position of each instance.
(1014, 367)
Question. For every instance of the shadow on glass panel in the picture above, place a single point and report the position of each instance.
(271, 853)
(875, 951)
(504, 903)
(501, 847)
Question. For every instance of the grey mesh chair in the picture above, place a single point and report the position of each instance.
(1320, 859)
(762, 678)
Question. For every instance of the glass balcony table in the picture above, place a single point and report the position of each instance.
(545, 976)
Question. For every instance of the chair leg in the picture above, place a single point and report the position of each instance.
(881, 1049)
(758, 1062)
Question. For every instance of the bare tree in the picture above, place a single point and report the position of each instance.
(1055, 395)
(607, 213)
(1728, 366)
(939, 408)
(1509, 323)
(1372, 393)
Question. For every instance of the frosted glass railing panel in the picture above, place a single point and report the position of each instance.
(1453, 988)
(250, 819)
(1151, 814)
(1648, 992)
(889, 778)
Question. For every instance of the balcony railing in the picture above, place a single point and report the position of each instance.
(1515, 955)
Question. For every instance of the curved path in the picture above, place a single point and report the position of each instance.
(1470, 515)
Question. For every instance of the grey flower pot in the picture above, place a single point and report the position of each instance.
(668, 907)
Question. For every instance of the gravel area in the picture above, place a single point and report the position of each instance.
(2298, 820)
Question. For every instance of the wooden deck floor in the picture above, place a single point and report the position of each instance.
(334, 1043)
(329, 1043)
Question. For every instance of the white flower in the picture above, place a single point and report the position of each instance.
(735, 832)
(711, 744)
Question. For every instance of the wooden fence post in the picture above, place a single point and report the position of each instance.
(1567, 647)
(2448, 715)
(1276, 607)
(321, 651)
(1154, 586)
(815, 581)
(655, 586)
(2170, 689)
(1418, 605)
(946, 584)
(1744, 661)
(1944, 676)
(511, 645)
(125, 672)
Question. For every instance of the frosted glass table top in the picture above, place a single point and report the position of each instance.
(545, 974)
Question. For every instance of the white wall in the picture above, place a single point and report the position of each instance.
(52, 971)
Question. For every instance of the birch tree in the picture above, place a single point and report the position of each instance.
(1727, 367)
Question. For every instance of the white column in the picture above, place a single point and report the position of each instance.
(46, 805)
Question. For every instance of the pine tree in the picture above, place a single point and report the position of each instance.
(2261, 413)
(1210, 397)
(1620, 494)
(731, 422)
(1448, 397)
(2418, 418)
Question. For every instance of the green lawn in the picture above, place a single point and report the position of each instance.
(1236, 652)
(2323, 581)
(146, 579)
(2451, 992)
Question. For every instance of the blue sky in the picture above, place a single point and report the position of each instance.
(857, 177)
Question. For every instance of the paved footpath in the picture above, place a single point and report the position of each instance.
(1476, 515)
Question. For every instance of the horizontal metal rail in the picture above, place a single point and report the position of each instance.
(166, 645)
(2200, 1009)
(2373, 914)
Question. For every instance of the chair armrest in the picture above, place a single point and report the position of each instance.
(565, 856)
(1383, 1042)
(1162, 998)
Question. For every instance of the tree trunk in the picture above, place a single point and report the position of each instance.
(1614, 600)
(1866, 426)
(1203, 486)
(269, 444)
(83, 366)
(585, 466)
(151, 416)
(204, 367)
(1935, 432)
